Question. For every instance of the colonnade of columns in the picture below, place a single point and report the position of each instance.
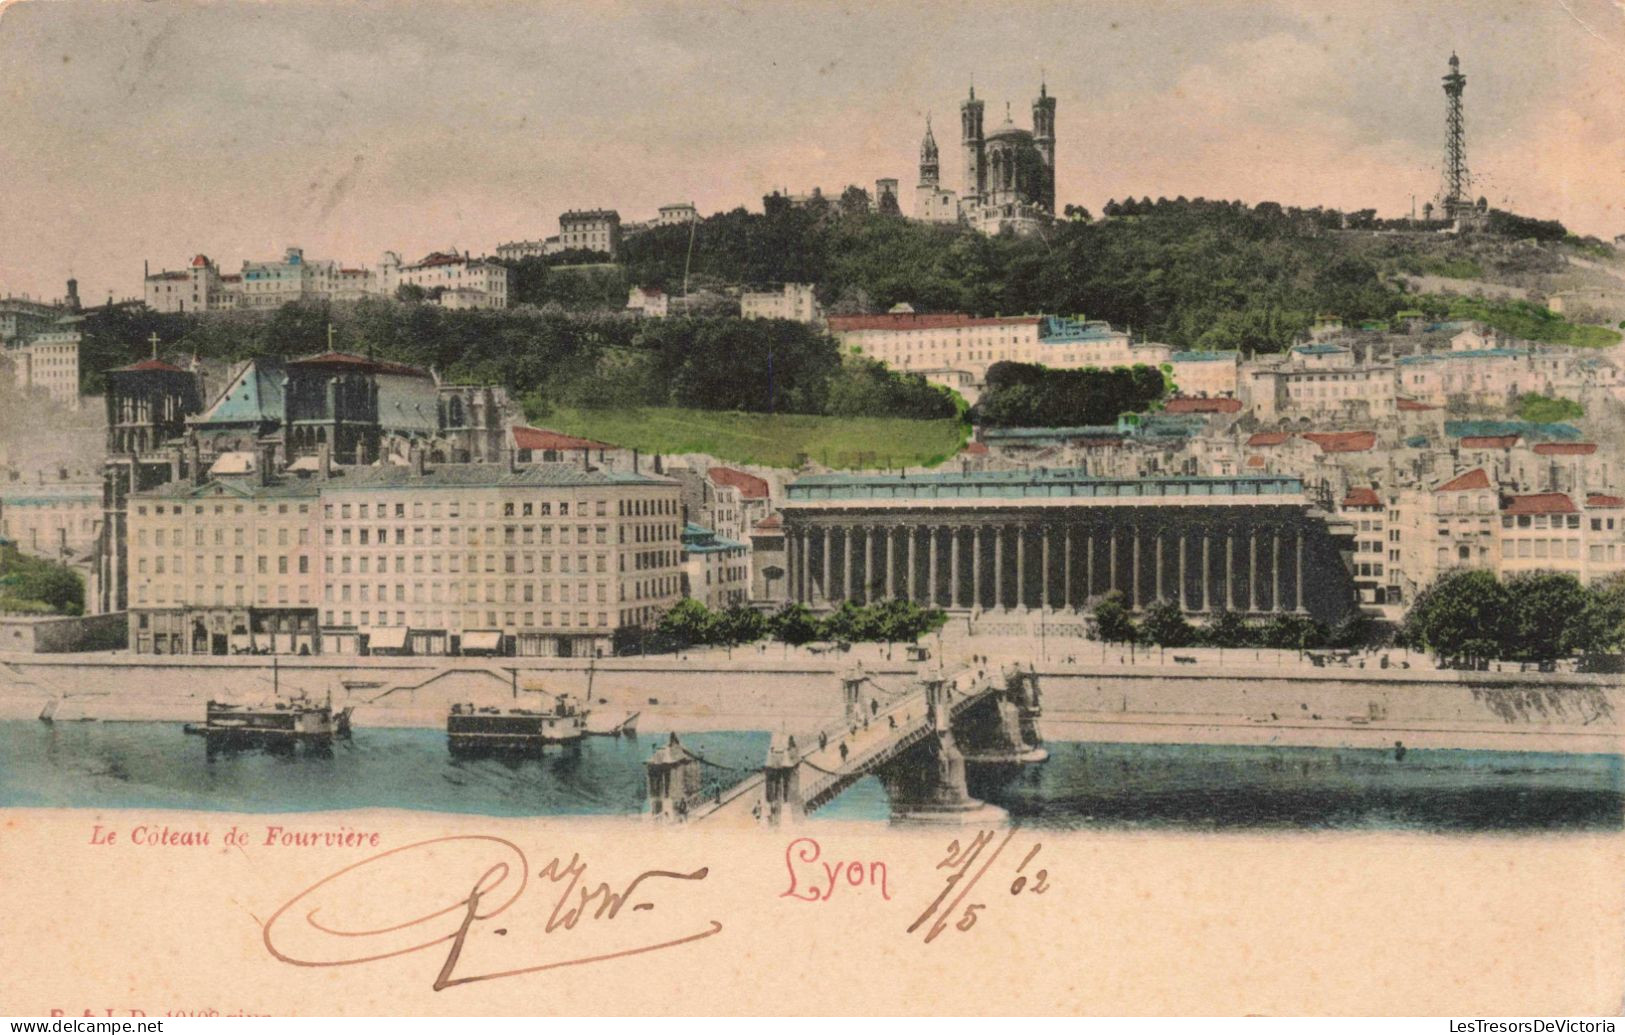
(1015, 565)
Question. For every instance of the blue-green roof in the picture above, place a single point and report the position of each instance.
(1044, 482)
(1531, 432)
(255, 396)
(1222, 355)
(1320, 350)
(1440, 357)
(699, 539)
(1059, 330)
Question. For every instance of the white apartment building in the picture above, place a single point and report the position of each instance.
(716, 569)
(679, 214)
(48, 362)
(1322, 382)
(1547, 531)
(458, 281)
(956, 349)
(1431, 531)
(593, 230)
(546, 559)
(201, 287)
(1205, 375)
(789, 302)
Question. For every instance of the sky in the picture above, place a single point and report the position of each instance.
(151, 130)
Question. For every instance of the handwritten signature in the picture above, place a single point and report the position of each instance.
(439, 894)
(959, 861)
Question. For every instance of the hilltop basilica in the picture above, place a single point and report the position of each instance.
(1009, 179)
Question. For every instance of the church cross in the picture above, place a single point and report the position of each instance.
(154, 341)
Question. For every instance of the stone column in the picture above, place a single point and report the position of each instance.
(1275, 570)
(1066, 570)
(891, 564)
(1298, 569)
(1088, 565)
(869, 564)
(1252, 571)
(806, 566)
(911, 573)
(824, 589)
(1134, 571)
(1043, 569)
(931, 576)
(1229, 569)
(953, 566)
(1157, 596)
(846, 564)
(1021, 568)
(998, 566)
(1184, 586)
(976, 567)
(1111, 560)
(1207, 570)
(792, 564)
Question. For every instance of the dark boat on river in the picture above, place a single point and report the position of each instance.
(472, 730)
(281, 724)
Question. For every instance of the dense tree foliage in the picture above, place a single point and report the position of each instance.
(1471, 616)
(32, 585)
(1029, 395)
(691, 624)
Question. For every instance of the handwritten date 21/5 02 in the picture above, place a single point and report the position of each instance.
(967, 864)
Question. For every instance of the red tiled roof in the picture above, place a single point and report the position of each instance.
(1474, 479)
(200, 260)
(749, 486)
(350, 359)
(1597, 499)
(1412, 406)
(541, 439)
(1565, 448)
(976, 449)
(1362, 497)
(924, 322)
(150, 364)
(1540, 503)
(1269, 438)
(1181, 404)
(771, 523)
(1255, 461)
(1488, 441)
(1343, 441)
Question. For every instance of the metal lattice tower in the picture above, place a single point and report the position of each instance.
(1457, 180)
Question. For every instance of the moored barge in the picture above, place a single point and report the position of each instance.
(475, 730)
(280, 723)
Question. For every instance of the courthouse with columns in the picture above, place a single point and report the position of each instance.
(1054, 539)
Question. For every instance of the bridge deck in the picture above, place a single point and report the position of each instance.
(824, 774)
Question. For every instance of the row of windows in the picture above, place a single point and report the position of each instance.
(471, 619)
(1541, 521)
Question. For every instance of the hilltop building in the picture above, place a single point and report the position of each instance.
(1009, 173)
(787, 302)
(452, 280)
(593, 230)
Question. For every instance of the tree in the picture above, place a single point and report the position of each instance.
(739, 624)
(1463, 614)
(31, 584)
(1112, 621)
(411, 293)
(795, 624)
(1548, 616)
(689, 623)
(1601, 626)
(1228, 629)
(1165, 626)
(1292, 632)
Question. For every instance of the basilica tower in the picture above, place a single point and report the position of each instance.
(970, 118)
(1044, 140)
(930, 170)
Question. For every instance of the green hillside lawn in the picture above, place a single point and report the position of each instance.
(771, 440)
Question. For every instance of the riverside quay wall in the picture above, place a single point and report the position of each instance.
(1243, 702)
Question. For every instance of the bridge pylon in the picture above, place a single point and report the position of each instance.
(782, 800)
(674, 782)
(1013, 737)
(942, 796)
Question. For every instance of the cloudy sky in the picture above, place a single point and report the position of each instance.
(154, 130)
